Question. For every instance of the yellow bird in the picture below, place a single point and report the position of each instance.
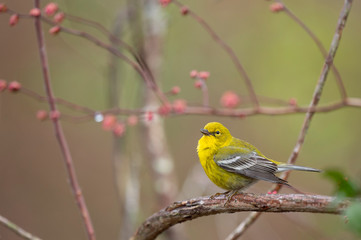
(233, 164)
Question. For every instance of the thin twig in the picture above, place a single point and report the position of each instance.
(315, 99)
(182, 211)
(199, 110)
(59, 131)
(16, 229)
(227, 49)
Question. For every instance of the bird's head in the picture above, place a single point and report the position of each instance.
(215, 135)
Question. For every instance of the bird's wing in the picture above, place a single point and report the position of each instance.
(247, 163)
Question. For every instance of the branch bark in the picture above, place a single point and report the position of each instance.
(199, 207)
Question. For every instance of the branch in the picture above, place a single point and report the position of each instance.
(199, 207)
(16, 229)
(59, 131)
(197, 110)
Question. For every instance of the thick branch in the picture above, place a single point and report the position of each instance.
(187, 210)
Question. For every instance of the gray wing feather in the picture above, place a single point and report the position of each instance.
(248, 164)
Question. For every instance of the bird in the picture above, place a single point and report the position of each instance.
(233, 164)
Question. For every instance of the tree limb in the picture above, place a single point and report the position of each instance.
(203, 206)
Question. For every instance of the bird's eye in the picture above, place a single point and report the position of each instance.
(217, 133)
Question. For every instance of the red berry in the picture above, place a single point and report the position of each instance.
(179, 105)
(164, 3)
(14, 19)
(51, 8)
(119, 129)
(42, 115)
(14, 86)
(165, 109)
(54, 30)
(292, 102)
(35, 12)
(3, 7)
(193, 74)
(54, 115)
(204, 75)
(109, 122)
(230, 100)
(175, 90)
(3, 85)
(276, 7)
(184, 10)
(198, 83)
(59, 17)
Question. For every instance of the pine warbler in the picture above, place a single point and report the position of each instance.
(233, 164)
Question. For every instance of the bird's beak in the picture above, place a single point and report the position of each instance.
(205, 132)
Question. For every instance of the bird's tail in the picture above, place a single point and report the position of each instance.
(287, 167)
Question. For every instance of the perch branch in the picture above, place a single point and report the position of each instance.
(199, 207)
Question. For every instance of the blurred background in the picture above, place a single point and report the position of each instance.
(117, 176)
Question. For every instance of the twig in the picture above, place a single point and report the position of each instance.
(59, 131)
(199, 110)
(187, 210)
(16, 229)
(246, 112)
(315, 99)
(227, 49)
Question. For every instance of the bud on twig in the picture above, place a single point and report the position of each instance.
(35, 12)
(14, 19)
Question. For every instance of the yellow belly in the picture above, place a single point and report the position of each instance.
(221, 177)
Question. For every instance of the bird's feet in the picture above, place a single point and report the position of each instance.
(218, 194)
(228, 194)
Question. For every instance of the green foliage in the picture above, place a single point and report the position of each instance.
(353, 213)
(346, 187)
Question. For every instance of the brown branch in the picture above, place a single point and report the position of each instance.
(59, 131)
(199, 110)
(204, 206)
(16, 229)
(245, 112)
(315, 99)
(227, 49)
